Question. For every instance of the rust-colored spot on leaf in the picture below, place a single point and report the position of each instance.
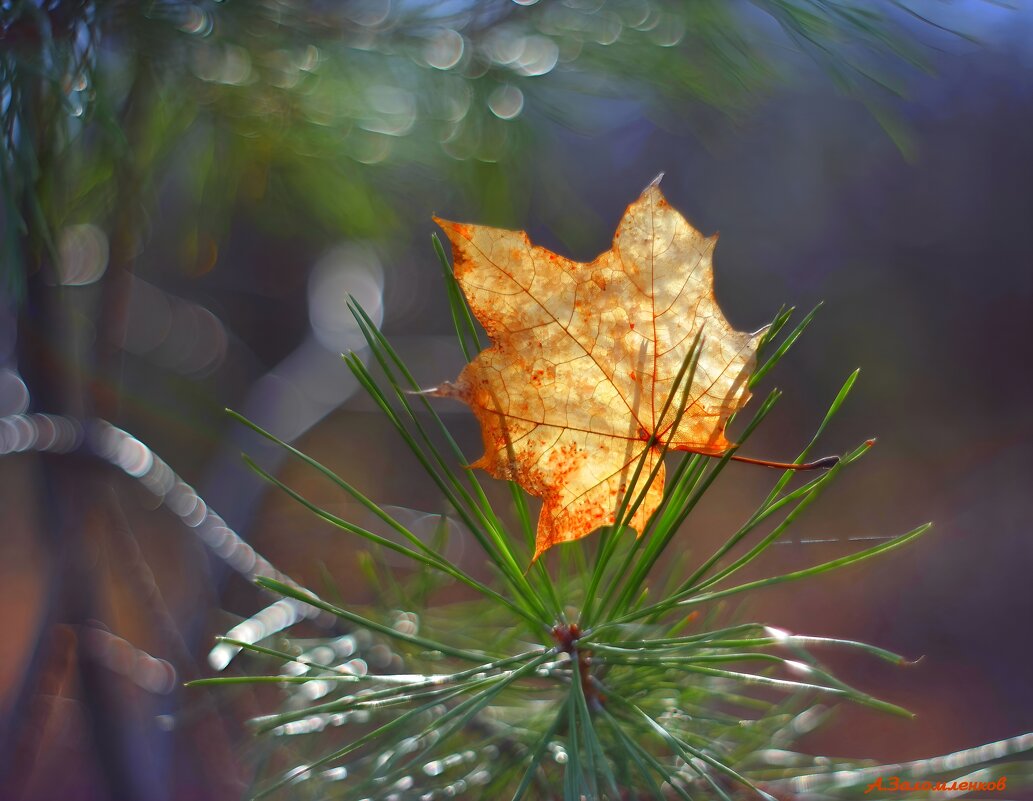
(614, 334)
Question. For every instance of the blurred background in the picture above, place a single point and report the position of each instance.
(192, 190)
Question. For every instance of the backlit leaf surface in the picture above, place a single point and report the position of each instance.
(584, 356)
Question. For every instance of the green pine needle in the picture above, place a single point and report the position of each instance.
(502, 691)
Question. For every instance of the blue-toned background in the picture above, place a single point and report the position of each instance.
(205, 184)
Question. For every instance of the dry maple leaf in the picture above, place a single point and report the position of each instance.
(584, 356)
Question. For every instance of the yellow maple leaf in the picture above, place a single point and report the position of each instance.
(584, 357)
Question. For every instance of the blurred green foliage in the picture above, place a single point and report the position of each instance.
(311, 116)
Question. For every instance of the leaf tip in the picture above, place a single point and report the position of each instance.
(427, 392)
(446, 389)
(479, 464)
(452, 228)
